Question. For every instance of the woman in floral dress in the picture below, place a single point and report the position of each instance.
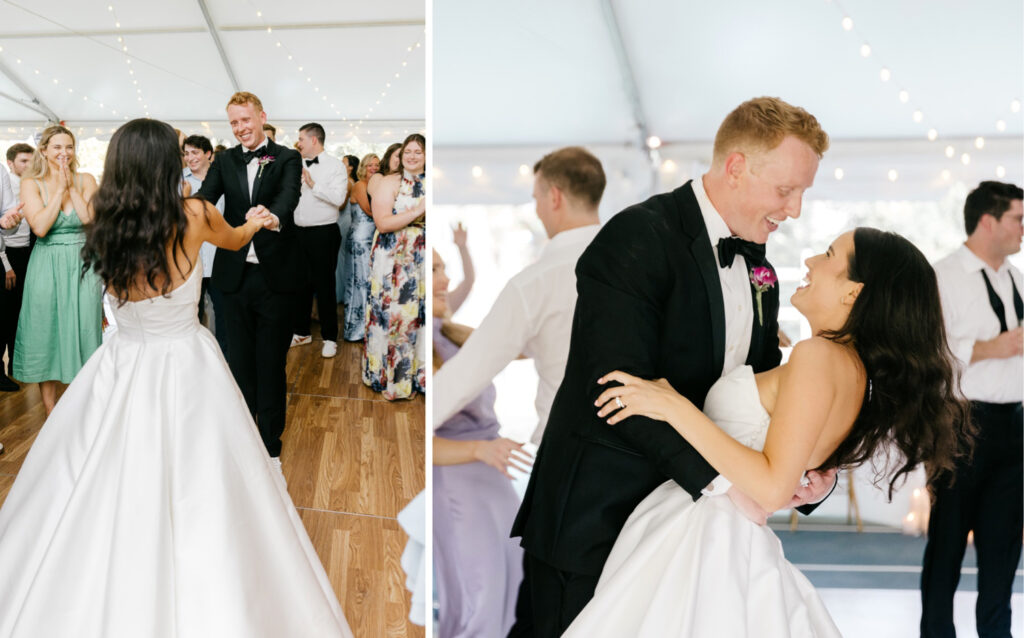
(394, 356)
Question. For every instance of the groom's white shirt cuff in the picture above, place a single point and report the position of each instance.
(717, 487)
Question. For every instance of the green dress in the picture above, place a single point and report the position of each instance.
(61, 313)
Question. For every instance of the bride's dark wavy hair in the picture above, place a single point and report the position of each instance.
(139, 210)
(913, 411)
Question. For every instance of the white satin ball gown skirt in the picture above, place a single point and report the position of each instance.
(685, 569)
(147, 506)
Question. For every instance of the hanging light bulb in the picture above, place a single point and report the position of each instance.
(885, 74)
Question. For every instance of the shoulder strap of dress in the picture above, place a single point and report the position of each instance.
(42, 189)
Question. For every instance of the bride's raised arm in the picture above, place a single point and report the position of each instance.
(808, 388)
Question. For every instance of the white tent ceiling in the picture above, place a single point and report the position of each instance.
(607, 73)
(184, 58)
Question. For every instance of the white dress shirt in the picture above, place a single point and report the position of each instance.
(969, 318)
(532, 316)
(21, 236)
(739, 307)
(251, 169)
(318, 206)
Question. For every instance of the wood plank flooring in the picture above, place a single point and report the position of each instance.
(352, 461)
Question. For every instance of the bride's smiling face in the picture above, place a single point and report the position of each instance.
(828, 294)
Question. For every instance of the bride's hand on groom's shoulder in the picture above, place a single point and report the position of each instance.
(655, 399)
(503, 454)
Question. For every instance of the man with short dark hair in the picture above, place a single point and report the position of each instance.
(198, 154)
(983, 311)
(17, 250)
(324, 187)
(532, 316)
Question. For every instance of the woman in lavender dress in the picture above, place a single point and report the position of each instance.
(477, 566)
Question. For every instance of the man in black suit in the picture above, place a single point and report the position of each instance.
(660, 297)
(258, 177)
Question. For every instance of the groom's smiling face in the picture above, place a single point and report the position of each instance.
(247, 124)
(770, 188)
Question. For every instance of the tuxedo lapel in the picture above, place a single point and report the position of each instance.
(769, 308)
(704, 257)
(243, 176)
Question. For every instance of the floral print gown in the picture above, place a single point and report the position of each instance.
(394, 355)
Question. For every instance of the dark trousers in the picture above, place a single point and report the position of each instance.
(258, 324)
(987, 497)
(319, 251)
(10, 301)
(549, 599)
(219, 322)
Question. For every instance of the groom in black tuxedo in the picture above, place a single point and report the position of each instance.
(258, 177)
(663, 292)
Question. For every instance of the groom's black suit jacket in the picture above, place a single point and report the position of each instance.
(277, 186)
(649, 303)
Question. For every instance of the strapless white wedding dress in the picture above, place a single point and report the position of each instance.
(686, 569)
(147, 506)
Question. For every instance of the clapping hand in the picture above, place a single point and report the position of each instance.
(12, 217)
(503, 454)
(655, 399)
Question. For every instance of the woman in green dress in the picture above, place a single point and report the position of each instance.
(61, 316)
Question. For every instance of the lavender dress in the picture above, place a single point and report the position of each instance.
(477, 566)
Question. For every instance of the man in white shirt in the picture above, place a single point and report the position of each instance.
(15, 247)
(198, 153)
(324, 187)
(532, 316)
(983, 311)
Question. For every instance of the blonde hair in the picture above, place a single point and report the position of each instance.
(40, 167)
(361, 170)
(242, 98)
(762, 123)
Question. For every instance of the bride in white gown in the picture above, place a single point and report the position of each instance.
(877, 376)
(147, 505)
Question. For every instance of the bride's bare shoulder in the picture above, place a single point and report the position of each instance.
(824, 360)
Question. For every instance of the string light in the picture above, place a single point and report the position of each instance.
(839, 174)
(128, 61)
(885, 74)
(57, 82)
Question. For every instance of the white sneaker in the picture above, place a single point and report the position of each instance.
(275, 462)
(299, 340)
(330, 349)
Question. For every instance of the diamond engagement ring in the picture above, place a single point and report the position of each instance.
(619, 403)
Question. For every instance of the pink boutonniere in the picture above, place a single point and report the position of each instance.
(264, 160)
(763, 279)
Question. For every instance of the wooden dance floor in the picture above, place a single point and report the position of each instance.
(352, 461)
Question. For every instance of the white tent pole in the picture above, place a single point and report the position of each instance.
(34, 102)
(629, 84)
(27, 104)
(96, 33)
(220, 47)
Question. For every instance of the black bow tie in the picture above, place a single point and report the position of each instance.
(247, 156)
(729, 247)
(315, 160)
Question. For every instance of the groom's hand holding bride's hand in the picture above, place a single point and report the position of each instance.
(503, 454)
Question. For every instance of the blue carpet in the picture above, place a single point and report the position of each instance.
(884, 560)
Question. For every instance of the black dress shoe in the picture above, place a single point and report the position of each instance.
(6, 385)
